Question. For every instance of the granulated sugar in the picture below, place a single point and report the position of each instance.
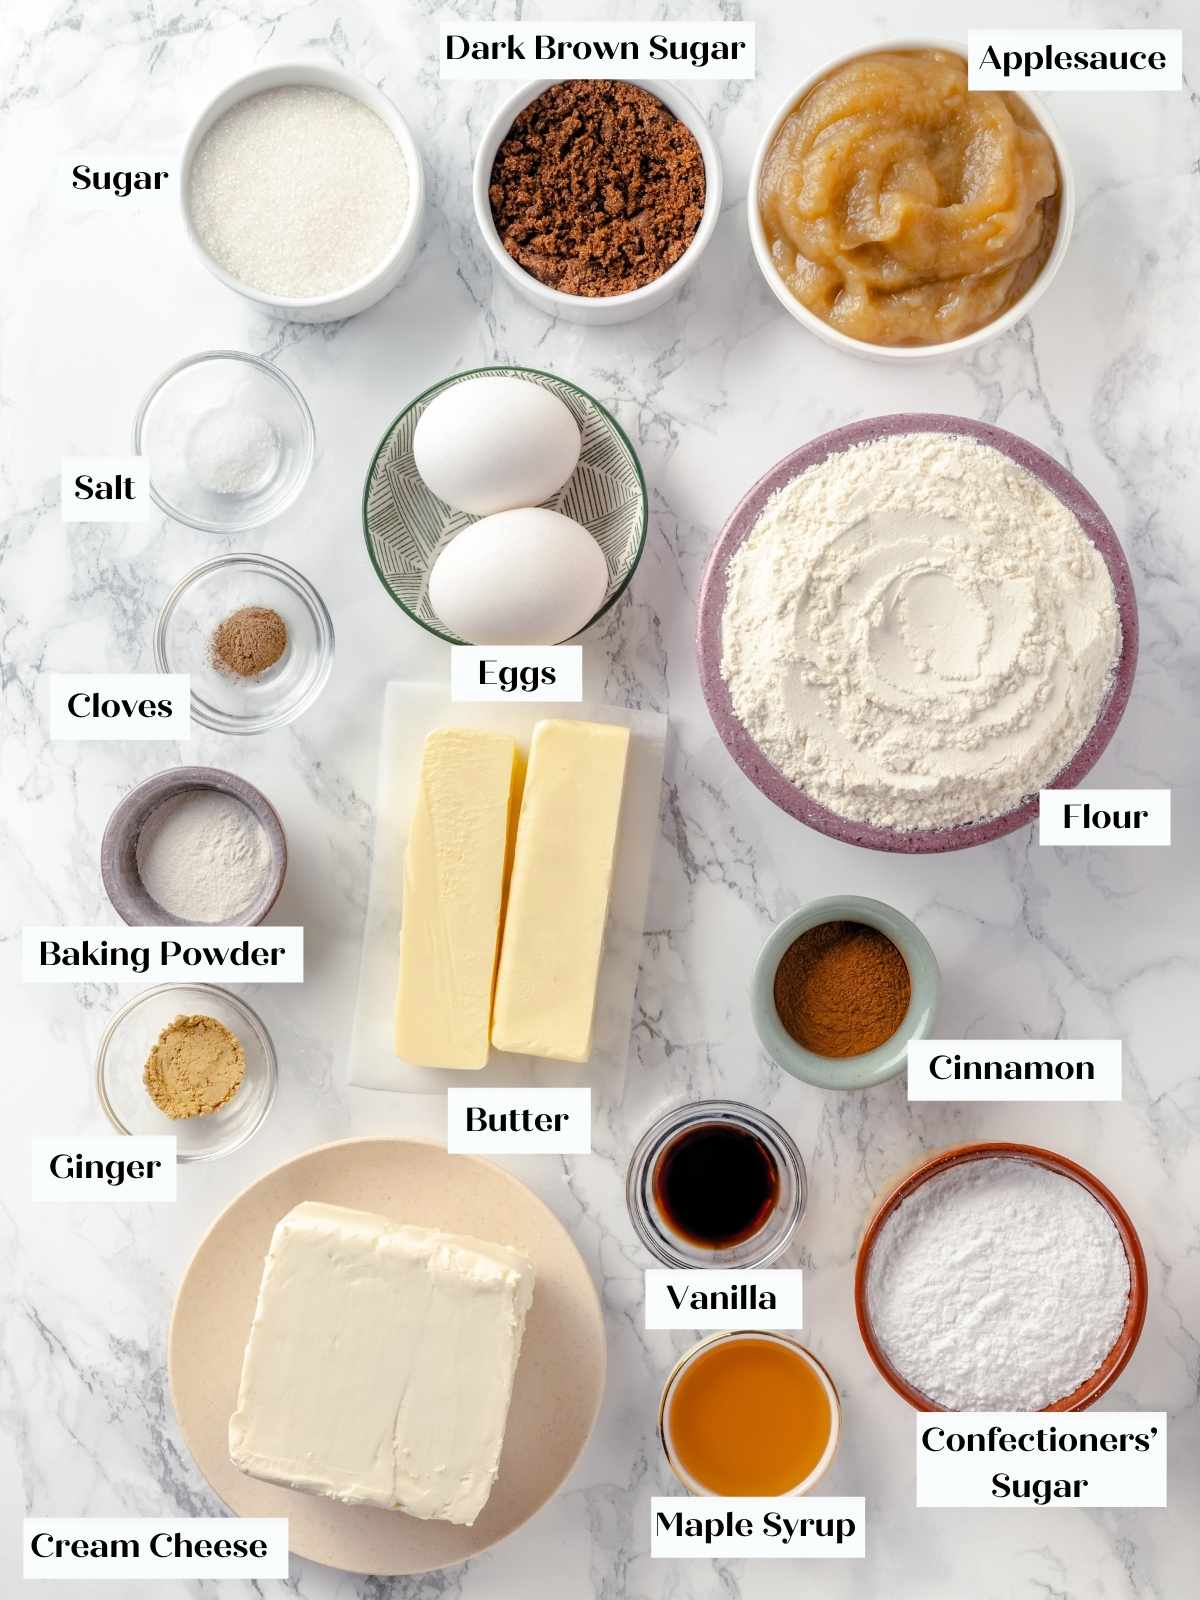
(998, 1286)
(299, 191)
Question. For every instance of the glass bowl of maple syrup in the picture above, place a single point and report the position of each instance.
(749, 1413)
(716, 1184)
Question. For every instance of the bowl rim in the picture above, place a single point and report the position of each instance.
(909, 353)
(929, 1166)
(307, 428)
(767, 778)
(778, 1336)
(681, 107)
(887, 1060)
(257, 1027)
(136, 805)
(507, 371)
(224, 722)
(695, 1113)
(321, 74)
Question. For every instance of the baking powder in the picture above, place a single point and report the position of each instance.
(918, 633)
(998, 1285)
(203, 856)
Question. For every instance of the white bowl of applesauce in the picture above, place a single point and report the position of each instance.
(900, 217)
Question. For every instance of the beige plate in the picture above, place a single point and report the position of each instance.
(560, 1379)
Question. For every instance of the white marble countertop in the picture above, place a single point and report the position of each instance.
(101, 295)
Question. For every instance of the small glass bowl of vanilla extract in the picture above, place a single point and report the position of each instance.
(716, 1184)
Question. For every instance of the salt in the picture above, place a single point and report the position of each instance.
(998, 1285)
(231, 451)
(299, 191)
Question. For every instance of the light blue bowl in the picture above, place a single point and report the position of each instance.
(875, 1066)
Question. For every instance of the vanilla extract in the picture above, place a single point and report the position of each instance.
(716, 1184)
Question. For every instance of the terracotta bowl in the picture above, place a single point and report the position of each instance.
(1110, 1369)
(766, 777)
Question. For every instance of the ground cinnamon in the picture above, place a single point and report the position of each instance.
(842, 989)
(597, 188)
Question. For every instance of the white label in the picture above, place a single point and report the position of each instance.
(106, 489)
(1014, 1069)
(1104, 816)
(597, 49)
(166, 1548)
(1075, 58)
(516, 672)
(110, 1168)
(785, 1527)
(1030, 1459)
(713, 1297)
(519, 1121)
(120, 705)
(127, 955)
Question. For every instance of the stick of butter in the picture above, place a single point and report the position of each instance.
(558, 898)
(454, 879)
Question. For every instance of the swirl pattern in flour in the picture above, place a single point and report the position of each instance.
(918, 633)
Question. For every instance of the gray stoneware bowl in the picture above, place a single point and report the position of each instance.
(874, 1066)
(781, 790)
(118, 848)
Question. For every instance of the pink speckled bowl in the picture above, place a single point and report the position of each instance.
(742, 747)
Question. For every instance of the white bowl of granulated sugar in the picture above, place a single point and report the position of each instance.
(302, 189)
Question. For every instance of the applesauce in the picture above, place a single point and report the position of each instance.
(902, 209)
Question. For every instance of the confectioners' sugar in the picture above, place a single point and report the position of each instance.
(998, 1285)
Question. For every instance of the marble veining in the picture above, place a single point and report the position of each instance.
(102, 295)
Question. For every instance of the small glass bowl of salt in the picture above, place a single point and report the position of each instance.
(229, 439)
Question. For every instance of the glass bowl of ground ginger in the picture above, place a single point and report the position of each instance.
(898, 214)
(192, 1061)
(595, 198)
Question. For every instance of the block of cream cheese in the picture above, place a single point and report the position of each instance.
(380, 1363)
(558, 898)
(454, 873)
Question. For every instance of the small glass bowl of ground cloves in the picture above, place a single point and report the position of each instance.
(840, 989)
(255, 637)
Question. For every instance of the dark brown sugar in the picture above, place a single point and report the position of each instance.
(597, 188)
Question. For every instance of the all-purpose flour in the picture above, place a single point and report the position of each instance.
(918, 633)
(998, 1286)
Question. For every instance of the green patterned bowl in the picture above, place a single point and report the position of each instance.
(406, 525)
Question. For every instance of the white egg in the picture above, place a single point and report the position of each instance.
(493, 443)
(528, 576)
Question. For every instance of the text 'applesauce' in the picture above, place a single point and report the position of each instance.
(901, 208)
